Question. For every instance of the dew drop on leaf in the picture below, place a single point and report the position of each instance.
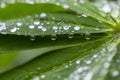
(77, 28)
(32, 37)
(115, 73)
(53, 37)
(66, 6)
(40, 27)
(36, 22)
(44, 29)
(42, 76)
(77, 61)
(36, 78)
(55, 27)
(66, 27)
(70, 35)
(31, 26)
(43, 15)
(2, 5)
(14, 29)
(2, 26)
(19, 23)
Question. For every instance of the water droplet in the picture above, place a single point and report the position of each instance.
(82, 1)
(76, 28)
(32, 37)
(13, 29)
(95, 56)
(66, 27)
(55, 27)
(106, 8)
(30, 1)
(36, 22)
(66, 6)
(115, 73)
(53, 37)
(78, 62)
(88, 62)
(36, 78)
(66, 66)
(79, 70)
(31, 26)
(42, 76)
(87, 35)
(19, 23)
(3, 5)
(84, 15)
(106, 64)
(96, 29)
(40, 27)
(70, 35)
(2, 26)
(44, 29)
(43, 15)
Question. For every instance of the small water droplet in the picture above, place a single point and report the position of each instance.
(14, 29)
(32, 37)
(40, 27)
(36, 22)
(44, 29)
(66, 66)
(87, 35)
(36, 78)
(19, 23)
(53, 37)
(95, 56)
(2, 26)
(42, 76)
(66, 27)
(43, 15)
(106, 64)
(55, 27)
(2, 5)
(84, 15)
(70, 35)
(115, 73)
(31, 26)
(82, 1)
(77, 61)
(88, 62)
(77, 28)
(66, 6)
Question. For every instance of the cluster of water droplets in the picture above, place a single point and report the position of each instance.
(108, 6)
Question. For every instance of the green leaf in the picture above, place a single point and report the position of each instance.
(57, 40)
